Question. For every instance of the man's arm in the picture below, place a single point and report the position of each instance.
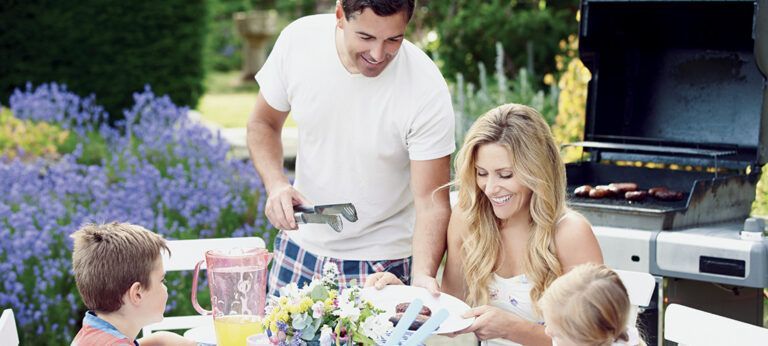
(433, 210)
(265, 146)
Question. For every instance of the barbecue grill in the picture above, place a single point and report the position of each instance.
(678, 98)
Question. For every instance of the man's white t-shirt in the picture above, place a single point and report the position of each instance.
(357, 136)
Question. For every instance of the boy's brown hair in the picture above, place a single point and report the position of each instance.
(108, 258)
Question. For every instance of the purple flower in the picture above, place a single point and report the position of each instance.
(160, 170)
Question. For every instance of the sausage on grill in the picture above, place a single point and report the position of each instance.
(601, 191)
(669, 195)
(621, 188)
(654, 190)
(635, 195)
(583, 190)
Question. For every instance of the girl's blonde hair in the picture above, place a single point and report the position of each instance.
(589, 305)
(537, 165)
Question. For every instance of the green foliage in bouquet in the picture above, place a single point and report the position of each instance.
(325, 314)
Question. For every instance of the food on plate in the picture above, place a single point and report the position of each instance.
(418, 322)
(601, 191)
(400, 308)
(583, 190)
(635, 195)
(620, 188)
(669, 195)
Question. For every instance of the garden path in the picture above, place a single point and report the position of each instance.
(236, 138)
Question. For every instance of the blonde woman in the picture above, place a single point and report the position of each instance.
(589, 306)
(511, 234)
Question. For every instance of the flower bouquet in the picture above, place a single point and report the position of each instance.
(322, 313)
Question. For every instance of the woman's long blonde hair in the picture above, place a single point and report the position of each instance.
(537, 165)
(589, 305)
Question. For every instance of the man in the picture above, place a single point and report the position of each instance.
(376, 128)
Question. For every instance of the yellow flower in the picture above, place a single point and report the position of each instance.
(306, 303)
(549, 79)
(294, 309)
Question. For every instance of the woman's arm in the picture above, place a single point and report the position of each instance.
(492, 322)
(453, 272)
(575, 243)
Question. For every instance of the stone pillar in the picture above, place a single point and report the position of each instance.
(256, 28)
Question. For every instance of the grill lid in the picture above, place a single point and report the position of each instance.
(677, 81)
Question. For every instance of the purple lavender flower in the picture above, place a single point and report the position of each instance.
(160, 170)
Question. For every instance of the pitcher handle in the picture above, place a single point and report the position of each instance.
(195, 304)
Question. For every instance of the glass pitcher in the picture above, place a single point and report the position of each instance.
(237, 279)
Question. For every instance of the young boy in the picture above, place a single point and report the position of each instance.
(119, 273)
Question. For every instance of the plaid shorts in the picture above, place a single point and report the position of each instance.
(293, 264)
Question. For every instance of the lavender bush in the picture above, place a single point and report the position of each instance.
(159, 170)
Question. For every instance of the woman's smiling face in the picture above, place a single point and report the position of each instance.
(496, 177)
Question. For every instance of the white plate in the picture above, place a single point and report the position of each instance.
(388, 298)
(204, 334)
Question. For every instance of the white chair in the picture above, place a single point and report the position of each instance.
(688, 326)
(639, 286)
(8, 334)
(184, 255)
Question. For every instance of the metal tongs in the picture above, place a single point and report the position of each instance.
(327, 213)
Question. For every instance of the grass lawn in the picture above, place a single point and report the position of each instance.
(228, 102)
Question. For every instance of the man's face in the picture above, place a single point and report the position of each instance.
(370, 42)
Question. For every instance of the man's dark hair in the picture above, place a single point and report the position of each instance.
(382, 8)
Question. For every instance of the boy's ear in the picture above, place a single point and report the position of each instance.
(135, 293)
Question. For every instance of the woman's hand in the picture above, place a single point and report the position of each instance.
(490, 322)
(381, 279)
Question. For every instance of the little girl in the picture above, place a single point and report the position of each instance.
(589, 306)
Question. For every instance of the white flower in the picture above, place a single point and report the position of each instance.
(326, 336)
(376, 327)
(330, 269)
(349, 294)
(348, 309)
(290, 290)
(330, 275)
(318, 309)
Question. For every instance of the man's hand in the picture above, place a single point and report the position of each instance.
(427, 282)
(381, 279)
(279, 206)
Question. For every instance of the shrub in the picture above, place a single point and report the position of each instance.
(162, 172)
(26, 139)
(572, 104)
(470, 101)
(112, 48)
(530, 30)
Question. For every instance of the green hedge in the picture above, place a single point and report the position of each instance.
(107, 47)
(468, 30)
